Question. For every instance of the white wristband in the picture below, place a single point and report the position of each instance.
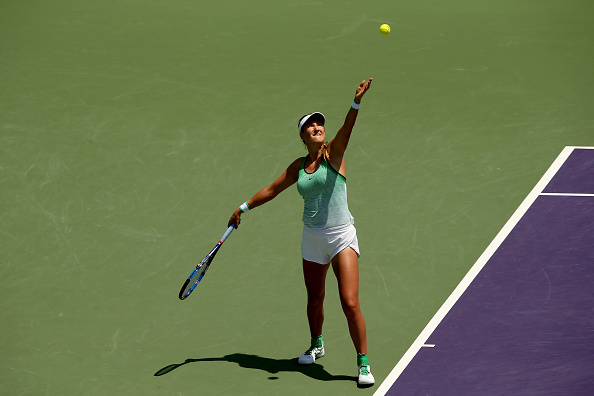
(244, 207)
(356, 106)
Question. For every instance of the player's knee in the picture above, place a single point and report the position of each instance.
(351, 307)
(316, 298)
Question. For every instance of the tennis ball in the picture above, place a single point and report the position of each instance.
(385, 28)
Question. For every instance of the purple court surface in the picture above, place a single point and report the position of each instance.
(522, 321)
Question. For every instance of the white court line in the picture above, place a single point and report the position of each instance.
(473, 272)
(567, 195)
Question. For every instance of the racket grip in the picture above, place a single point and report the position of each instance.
(228, 232)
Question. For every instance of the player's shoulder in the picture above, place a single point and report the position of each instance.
(295, 166)
(297, 163)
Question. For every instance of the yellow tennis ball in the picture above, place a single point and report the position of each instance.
(385, 28)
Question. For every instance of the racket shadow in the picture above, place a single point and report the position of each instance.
(269, 365)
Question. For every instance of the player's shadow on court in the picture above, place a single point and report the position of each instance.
(272, 366)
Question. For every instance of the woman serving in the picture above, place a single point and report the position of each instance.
(329, 234)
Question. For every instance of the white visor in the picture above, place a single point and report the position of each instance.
(307, 117)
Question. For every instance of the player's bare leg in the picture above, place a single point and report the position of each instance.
(315, 283)
(346, 268)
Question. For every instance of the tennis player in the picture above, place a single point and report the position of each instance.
(329, 235)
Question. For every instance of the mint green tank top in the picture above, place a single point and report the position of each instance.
(324, 194)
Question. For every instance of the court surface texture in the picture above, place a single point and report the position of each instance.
(521, 321)
(130, 131)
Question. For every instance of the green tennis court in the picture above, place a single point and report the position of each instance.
(131, 130)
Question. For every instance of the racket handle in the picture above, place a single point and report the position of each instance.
(228, 232)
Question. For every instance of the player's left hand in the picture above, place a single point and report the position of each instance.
(361, 89)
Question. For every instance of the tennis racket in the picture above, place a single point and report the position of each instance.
(200, 270)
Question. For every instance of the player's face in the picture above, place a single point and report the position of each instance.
(313, 131)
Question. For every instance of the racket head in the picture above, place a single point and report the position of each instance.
(195, 278)
(200, 270)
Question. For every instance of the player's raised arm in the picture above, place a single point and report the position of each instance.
(338, 145)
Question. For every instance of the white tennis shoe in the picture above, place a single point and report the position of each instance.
(365, 376)
(310, 356)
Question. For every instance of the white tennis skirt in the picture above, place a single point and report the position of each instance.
(320, 246)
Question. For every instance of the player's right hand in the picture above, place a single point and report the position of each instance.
(235, 218)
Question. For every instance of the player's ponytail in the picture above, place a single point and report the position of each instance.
(324, 151)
